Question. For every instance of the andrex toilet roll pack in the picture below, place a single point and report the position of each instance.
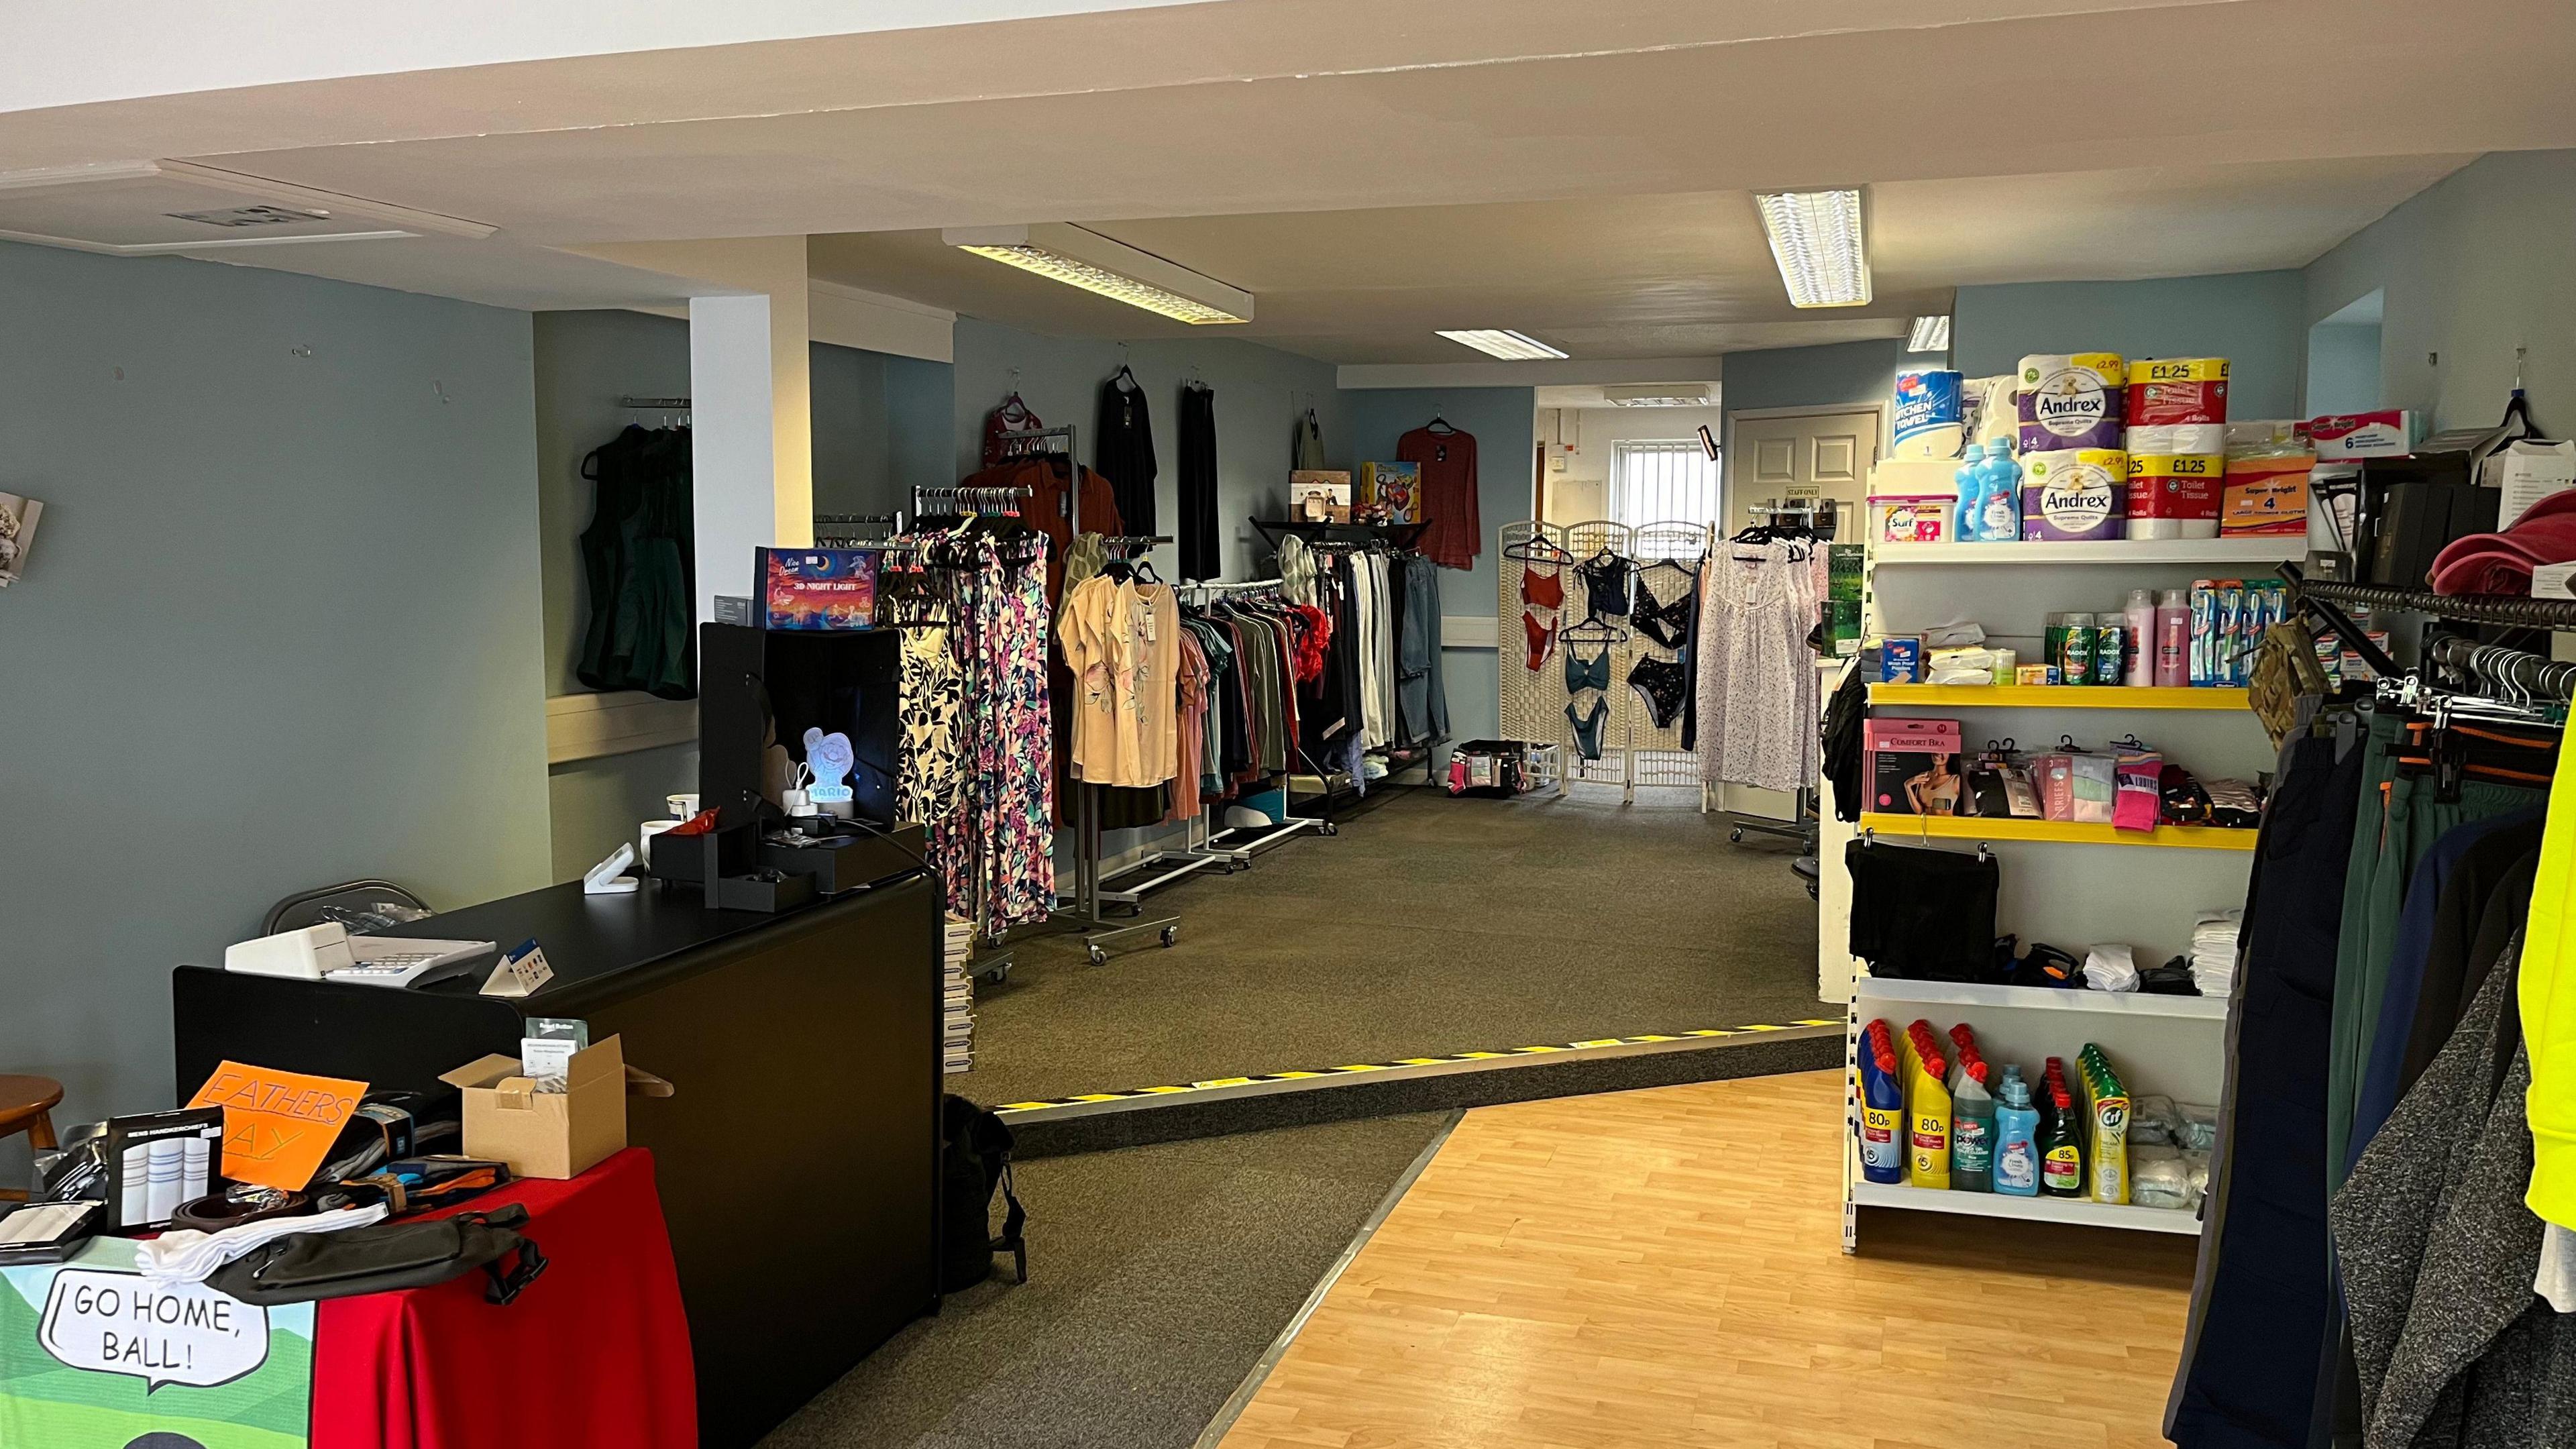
(2072, 401)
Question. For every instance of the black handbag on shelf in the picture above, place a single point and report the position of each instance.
(311, 1266)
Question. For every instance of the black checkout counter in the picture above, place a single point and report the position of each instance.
(798, 1157)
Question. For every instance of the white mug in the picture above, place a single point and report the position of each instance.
(644, 842)
(684, 806)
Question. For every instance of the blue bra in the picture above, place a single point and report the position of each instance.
(1581, 676)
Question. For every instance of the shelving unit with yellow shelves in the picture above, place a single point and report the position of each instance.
(2049, 696)
(1913, 829)
(2060, 882)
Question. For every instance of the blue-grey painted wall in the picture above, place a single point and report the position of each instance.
(1503, 420)
(921, 428)
(2474, 266)
(585, 362)
(1260, 391)
(1835, 374)
(853, 447)
(2253, 319)
(282, 627)
(2343, 368)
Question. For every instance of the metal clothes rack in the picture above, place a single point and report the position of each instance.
(679, 405)
(992, 962)
(1084, 914)
(2516, 676)
(1256, 839)
(855, 530)
(1398, 758)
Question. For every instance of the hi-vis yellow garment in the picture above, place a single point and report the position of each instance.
(2548, 1000)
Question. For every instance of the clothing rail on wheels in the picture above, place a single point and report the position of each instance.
(1082, 911)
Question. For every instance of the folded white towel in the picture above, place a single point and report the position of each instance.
(2111, 968)
(187, 1256)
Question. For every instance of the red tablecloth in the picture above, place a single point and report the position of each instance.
(596, 1351)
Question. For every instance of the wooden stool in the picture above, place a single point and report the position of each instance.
(27, 1105)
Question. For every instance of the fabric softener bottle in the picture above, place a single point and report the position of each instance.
(2016, 1154)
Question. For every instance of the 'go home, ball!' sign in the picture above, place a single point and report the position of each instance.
(162, 1333)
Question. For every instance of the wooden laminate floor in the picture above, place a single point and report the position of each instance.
(1665, 1267)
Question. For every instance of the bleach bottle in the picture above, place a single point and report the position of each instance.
(1972, 506)
(2016, 1157)
(2001, 521)
(1882, 1108)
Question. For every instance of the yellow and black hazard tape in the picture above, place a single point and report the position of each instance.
(1355, 1069)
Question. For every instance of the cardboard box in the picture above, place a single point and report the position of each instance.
(551, 1134)
(1319, 494)
(1915, 759)
(2387, 433)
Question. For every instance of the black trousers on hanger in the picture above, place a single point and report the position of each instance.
(1202, 557)
(2263, 1305)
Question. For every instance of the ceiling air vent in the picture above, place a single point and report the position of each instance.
(139, 208)
(1658, 395)
(241, 216)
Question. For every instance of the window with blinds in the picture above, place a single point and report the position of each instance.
(1655, 481)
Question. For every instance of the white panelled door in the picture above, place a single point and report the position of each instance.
(1818, 455)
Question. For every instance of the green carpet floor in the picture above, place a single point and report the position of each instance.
(1157, 1275)
(1429, 926)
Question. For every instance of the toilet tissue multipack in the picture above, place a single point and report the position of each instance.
(2171, 391)
(2074, 494)
(2176, 473)
(2072, 401)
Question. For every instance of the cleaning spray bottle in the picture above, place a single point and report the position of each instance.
(2016, 1162)
(1972, 495)
(1972, 1132)
(1882, 1108)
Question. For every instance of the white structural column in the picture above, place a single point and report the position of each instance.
(751, 396)
(750, 401)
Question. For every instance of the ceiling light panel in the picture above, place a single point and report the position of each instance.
(1109, 268)
(1930, 334)
(1503, 343)
(1816, 239)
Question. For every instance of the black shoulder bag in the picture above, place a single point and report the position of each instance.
(311, 1266)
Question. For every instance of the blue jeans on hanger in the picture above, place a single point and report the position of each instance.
(1425, 706)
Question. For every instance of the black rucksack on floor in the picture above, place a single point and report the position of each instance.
(974, 1161)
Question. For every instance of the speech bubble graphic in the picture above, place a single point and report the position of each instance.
(162, 1333)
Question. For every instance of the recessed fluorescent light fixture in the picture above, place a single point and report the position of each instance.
(1079, 257)
(1930, 334)
(1815, 237)
(1508, 345)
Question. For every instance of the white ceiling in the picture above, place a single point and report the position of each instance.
(1375, 168)
(1664, 276)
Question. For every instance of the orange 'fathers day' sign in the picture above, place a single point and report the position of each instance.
(277, 1125)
